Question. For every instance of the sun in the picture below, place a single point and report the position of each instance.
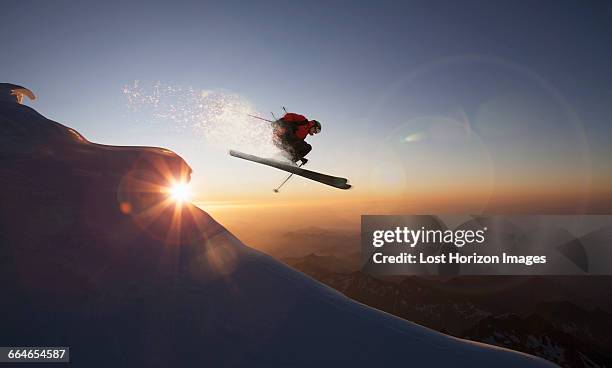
(179, 192)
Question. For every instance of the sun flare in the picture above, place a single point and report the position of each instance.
(180, 192)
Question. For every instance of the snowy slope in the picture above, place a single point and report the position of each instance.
(92, 258)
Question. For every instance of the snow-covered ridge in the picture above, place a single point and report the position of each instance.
(88, 266)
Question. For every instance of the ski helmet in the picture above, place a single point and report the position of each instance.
(317, 126)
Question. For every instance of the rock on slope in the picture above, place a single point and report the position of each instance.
(95, 257)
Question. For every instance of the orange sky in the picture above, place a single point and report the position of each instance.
(259, 222)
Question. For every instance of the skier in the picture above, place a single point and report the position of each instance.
(289, 133)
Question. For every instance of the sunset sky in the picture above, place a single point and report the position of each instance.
(426, 105)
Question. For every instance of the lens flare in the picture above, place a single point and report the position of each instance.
(179, 192)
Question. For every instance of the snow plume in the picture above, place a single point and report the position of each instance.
(222, 118)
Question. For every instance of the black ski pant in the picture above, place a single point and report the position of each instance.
(296, 148)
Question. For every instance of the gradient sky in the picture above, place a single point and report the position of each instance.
(421, 99)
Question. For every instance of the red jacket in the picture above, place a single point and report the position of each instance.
(295, 126)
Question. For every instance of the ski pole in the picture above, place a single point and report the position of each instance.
(257, 117)
(286, 180)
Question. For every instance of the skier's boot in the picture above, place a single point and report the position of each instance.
(302, 160)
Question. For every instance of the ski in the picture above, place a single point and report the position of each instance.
(334, 181)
